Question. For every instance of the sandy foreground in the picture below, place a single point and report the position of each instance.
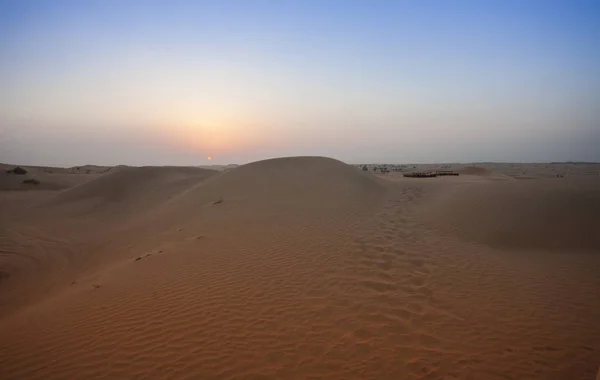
(300, 268)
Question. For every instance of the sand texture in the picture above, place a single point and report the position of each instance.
(300, 268)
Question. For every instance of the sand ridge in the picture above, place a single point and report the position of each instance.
(302, 267)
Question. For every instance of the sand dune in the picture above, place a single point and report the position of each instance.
(545, 214)
(475, 170)
(126, 191)
(300, 268)
(49, 179)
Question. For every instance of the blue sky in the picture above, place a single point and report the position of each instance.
(173, 82)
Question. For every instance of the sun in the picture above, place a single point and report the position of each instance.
(209, 158)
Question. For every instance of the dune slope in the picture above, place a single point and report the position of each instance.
(546, 214)
(49, 243)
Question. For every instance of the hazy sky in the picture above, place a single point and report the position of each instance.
(173, 82)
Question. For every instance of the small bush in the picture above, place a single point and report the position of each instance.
(19, 170)
(31, 181)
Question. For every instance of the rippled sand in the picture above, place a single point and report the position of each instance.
(301, 268)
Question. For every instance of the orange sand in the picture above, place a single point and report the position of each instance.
(300, 268)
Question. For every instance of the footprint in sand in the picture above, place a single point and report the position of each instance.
(146, 255)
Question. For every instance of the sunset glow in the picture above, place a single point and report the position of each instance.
(251, 80)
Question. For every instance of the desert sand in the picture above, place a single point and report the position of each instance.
(300, 268)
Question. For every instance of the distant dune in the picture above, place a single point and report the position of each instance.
(49, 178)
(475, 170)
(122, 188)
(544, 214)
(300, 267)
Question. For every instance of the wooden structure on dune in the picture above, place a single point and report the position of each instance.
(445, 172)
(421, 174)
